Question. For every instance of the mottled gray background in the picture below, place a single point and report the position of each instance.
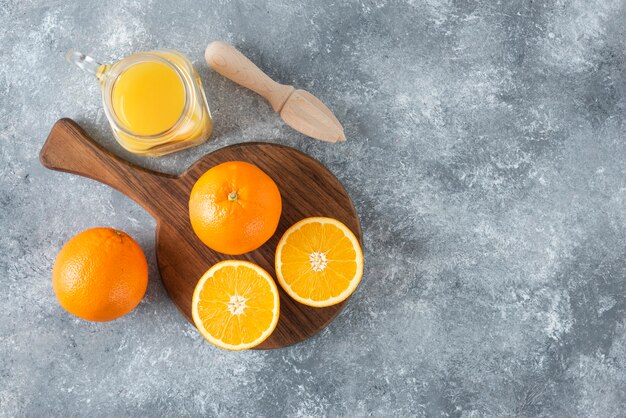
(487, 160)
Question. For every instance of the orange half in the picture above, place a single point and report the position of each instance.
(319, 262)
(235, 305)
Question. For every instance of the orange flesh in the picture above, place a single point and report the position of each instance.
(236, 305)
(339, 254)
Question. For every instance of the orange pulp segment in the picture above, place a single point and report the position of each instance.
(319, 262)
(235, 305)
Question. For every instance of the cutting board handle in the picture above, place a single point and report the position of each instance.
(232, 64)
(69, 148)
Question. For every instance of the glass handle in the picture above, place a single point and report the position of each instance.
(85, 63)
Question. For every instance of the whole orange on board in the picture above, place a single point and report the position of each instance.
(101, 274)
(234, 207)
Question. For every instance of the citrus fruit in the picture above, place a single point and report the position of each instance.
(319, 262)
(100, 274)
(234, 207)
(235, 305)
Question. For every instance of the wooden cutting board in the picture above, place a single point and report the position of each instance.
(306, 186)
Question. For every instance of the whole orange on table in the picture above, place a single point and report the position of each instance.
(234, 207)
(101, 274)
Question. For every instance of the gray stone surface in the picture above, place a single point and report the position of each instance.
(486, 157)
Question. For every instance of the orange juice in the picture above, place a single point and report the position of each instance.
(148, 98)
(153, 100)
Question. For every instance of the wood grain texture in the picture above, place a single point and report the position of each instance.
(307, 114)
(306, 186)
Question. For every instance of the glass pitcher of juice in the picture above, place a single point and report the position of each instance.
(153, 100)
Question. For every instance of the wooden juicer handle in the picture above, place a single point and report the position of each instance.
(232, 64)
